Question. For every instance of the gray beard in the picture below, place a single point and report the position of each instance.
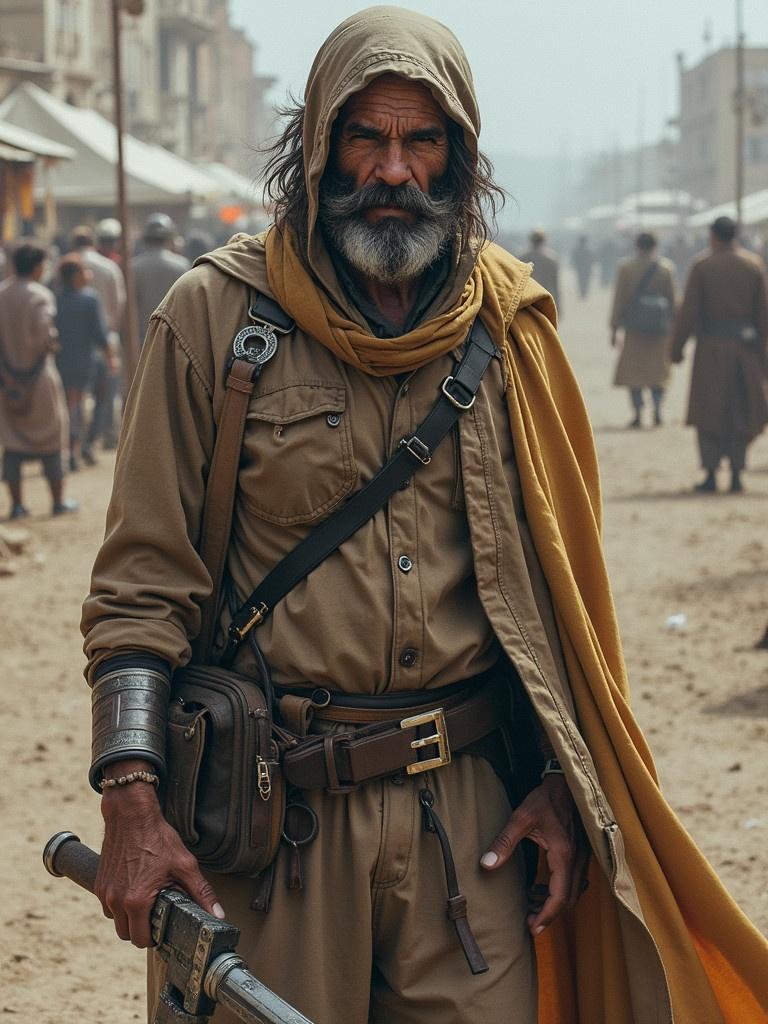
(391, 250)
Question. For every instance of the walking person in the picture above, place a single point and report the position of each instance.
(33, 413)
(725, 307)
(155, 269)
(474, 590)
(109, 284)
(583, 261)
(643, 307)
(608, 258)
(109, 231)
(546, 266)
(82, 336)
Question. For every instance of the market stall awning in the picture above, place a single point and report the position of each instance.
(30, 144)
(10, 154)
(754, 210)
(154, 175)
(236, 184)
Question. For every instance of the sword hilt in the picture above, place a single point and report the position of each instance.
(221, 978)
(65, 856)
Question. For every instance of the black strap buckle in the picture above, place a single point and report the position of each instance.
(266, 311)
(452, 397)
(417, 448)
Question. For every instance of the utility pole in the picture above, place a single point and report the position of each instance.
(130, 336)
(640, 155)
(739, 105)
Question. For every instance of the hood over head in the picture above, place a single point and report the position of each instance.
(371, 43)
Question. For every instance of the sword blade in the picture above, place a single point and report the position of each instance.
(253, 1002)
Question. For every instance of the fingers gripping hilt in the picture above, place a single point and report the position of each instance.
(202, 966)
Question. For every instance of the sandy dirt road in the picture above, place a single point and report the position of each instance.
(701, 693)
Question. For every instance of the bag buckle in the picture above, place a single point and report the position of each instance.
(263, 778)
(417, 448)
(452, 398)
(438, 738)
(257, 616)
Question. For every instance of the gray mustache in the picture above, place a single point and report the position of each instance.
(404, 197)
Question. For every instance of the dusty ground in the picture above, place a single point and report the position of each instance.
(701, 693)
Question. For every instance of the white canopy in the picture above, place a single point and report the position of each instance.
(28, 145)
(237, 186)
(154, 175)
(754, 210)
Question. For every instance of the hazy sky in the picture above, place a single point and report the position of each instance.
(552, 76)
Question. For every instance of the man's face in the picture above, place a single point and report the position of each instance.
(392, 133)
(383, 202)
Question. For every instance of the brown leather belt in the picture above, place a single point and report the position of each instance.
(423, 739)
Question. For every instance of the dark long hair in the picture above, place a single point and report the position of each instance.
(470, 180)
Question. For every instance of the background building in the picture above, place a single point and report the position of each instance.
(51, 43)
(189, 77)
(707, 125)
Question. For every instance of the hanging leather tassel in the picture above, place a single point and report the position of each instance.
(457, 902)
(294, 868)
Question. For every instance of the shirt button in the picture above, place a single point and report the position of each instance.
(403, 390)
(408, 657)
(333, 419)
(404, 563)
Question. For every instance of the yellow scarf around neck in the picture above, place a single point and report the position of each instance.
(715, 961)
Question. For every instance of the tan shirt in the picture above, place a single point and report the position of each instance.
(109, 285)
(396, 607)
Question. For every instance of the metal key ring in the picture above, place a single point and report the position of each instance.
(256, 343)
(314, 825)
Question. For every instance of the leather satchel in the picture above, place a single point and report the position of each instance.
(224, 794)
(648, 314)
(18, 386)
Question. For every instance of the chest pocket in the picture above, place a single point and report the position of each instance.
(297, 452)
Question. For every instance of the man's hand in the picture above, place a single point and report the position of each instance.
(141, 855)
(549, 818)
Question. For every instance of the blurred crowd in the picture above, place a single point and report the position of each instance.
(724, 306)
(62, 344)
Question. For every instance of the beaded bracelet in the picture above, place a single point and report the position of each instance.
(125, 780)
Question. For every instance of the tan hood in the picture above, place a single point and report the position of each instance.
(374, 42)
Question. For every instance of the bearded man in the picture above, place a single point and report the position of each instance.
(483, 572)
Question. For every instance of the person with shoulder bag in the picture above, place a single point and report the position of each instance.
(33, 412)
(643, 307)
(352, 684)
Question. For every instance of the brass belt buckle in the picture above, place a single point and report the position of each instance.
(439, 737)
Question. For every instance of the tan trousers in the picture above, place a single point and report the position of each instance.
(367, 939)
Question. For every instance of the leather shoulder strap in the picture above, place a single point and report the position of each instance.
(220, 495)
(644, 281)
(221, 486)
(456, 395)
